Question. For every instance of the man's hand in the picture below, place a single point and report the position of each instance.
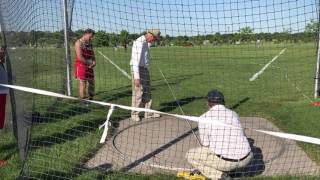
(93, 64)
(137, 82)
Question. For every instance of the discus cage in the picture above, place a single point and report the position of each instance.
(263, 55)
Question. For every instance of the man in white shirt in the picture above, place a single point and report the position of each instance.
(141, 87)
(223, 148)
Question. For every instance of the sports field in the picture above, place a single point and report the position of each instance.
(65, 133)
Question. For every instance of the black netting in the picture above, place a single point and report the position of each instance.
(261, 54)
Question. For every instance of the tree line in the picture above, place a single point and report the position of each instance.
(106, 39)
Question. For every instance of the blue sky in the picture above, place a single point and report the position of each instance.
(173, 17)
(187, 17)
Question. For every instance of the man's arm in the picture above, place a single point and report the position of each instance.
(77, 47)
(204, 138)
(135, 58)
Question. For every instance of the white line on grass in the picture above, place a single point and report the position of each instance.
(255, 76)
(115, 65)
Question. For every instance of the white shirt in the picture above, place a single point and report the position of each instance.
(139, 55)
(225, 141)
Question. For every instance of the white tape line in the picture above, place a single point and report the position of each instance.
(38, 91)
(106, 125)
(297, 88)
(192, 118)
(292, 136)
(115, 65)
(256, 75)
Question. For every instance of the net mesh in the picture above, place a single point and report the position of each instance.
(261, 54)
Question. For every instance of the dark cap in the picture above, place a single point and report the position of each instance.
(215, 96)
(89, 31)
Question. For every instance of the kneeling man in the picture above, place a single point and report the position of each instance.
(224, 148)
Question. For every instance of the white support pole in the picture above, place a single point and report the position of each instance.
(317, 83)
(317, 80)
(67, 48)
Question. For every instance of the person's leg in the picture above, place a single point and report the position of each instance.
(202, 159)
(91, 88)
(82, 89)
(147, 97)
(230, 166)
(2, 109)
(2, 118)
(91, 84)
(136, 99)
(81, 76)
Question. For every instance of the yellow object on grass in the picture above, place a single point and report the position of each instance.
(190, 176)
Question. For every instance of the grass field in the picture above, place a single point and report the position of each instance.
(66, 134)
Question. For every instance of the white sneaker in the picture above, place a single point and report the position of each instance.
(151, 115)
(135, 118)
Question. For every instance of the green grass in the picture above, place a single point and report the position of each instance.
(67, 134)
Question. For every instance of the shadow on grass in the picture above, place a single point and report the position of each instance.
(180, 77)
(50, 175)
(99, 175)
(7, 147)
(171, 105)
(68, 135)
(108, 96)
(239, 103)
(53, 113)
(65, 109)
(126, 91)
(8, 150)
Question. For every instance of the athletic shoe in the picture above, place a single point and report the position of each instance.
(135, 118)
(151, 115)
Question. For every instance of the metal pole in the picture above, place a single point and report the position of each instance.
(317, 81)
(70, 12)
(67, 48)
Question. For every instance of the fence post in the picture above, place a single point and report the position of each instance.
(67, 48)
(317, 81)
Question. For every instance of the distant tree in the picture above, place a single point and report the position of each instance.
(124, 37)
(246, 30)
(114, 39)
(198, 40)
(165, 40)
(180, 40)
(312, 27)
(216, 38)
(132, 37)
(100, 39)
(246, 34)
(78, 33)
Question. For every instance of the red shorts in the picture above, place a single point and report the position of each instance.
(83, 72)
(2, 109)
